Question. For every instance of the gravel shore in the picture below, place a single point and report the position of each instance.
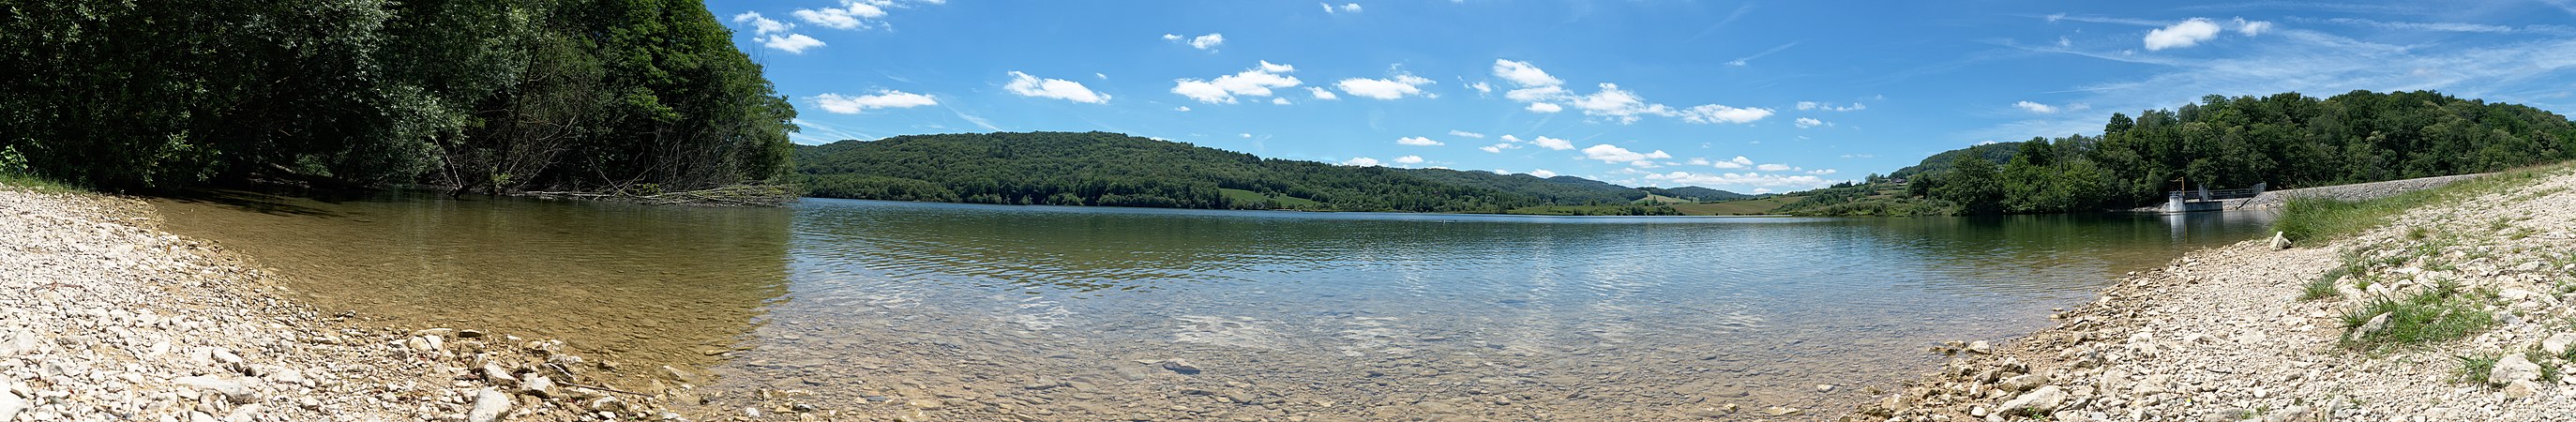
(105, 318)
(2226, 334)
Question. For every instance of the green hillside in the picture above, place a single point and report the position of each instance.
(1108, 169)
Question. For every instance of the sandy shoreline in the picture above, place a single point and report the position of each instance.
(2223, 334)
(104, 317)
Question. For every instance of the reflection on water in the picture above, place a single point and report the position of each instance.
(634, 283)
(980, 312)
(1070, 312)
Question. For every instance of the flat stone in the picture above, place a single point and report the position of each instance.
(2037, 402)
(2557, 344)
(489, 405)
(2513, 368)
(2521, 389)
(238, 390)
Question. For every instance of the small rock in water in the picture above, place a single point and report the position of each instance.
(1182, 367)
(1779, 411)
(1981, 347)
(1820, 388)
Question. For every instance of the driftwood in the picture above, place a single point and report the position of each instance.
(728, 196)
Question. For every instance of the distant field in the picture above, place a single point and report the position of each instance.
(1284, 201)
(1743, 207)
(1652, 199)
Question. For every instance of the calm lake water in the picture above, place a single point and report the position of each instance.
(1063, 313)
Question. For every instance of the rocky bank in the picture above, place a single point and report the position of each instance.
(2240, 333)
(105, 318)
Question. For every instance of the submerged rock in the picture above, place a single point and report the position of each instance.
(1180, 366)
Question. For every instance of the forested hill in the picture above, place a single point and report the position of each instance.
(2283, 140)
(595, 95)
(1108, 169)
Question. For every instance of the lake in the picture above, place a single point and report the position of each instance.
(1065, 313)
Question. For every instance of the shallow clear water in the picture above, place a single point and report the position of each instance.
(1069, 313)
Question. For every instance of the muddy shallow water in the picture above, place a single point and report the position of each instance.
(982, 312)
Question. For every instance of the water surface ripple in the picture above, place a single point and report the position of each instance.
(1067, 313)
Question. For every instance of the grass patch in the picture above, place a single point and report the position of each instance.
(2442, 313)
(2305, 219)
(2324, 286)
(2475, 368)
(12, 181)
(1738, 207)
(1280, 201)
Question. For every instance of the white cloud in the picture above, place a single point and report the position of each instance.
(2252, 28)
(1418, 141)
(2188, 33)
(1466, 134)
(1545, 107)
(1209, 41)
(1032, 86)
(1322, 94)
(1772, 167)
(1804, 122)
(791, 43)
(1737, 163)
(1814, 105)
(1615, 154)
(1523, 73)
(1860, 155)
(762, 25)
(843, 104)
(1821, 172)
(1498, 148)
(1409, 159)
(1384, 89)
(1279, 100)
(851, 15)
(1245, 135)
(1344, 8)
(2035, 107)
(1542, 173)
(1553, 143)
(1361, 162)
(1758, 180)
(1481, 88)
(1717, 114)
(1255, 82)
(1181, 108)
(1538, 94)
(1171, 37)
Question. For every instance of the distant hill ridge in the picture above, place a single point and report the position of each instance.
(1110, 169)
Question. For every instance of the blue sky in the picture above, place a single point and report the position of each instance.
(1760, 96)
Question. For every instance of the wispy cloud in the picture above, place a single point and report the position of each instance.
(1747, 60)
